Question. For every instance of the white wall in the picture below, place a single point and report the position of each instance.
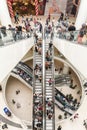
(4, 13)
(75, 53)
(82, 14)
(10, 55)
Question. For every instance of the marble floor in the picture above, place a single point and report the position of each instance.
(22, 108)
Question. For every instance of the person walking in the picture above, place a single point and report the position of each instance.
(59, 127)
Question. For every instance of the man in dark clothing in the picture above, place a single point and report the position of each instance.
(59, 127)
(40, 27)
(61, 17)
(50, 45)
(72, 27)
(3, 31)
(75, 7)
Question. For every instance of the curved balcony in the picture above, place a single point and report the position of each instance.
(25, 72)
(8, 37)
(18, 46)
(72, 50)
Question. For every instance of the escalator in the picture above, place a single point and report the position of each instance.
(49, 86)
(12, 50)
(25, 72)
(37, 86)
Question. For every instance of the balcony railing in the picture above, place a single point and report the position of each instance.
(11, 36)
(73, 36)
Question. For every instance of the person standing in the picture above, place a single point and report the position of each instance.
(75, 7)
(16, 17)
(59, 127)
(50, 81)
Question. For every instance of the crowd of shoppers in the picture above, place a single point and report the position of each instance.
(61, 27)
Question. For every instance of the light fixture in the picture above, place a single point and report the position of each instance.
(26, 3)
(14, 3)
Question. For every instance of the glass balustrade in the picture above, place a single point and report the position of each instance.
(73, 36)
(10, 36)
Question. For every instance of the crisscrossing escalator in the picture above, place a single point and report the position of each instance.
(49, 86)
(37, 86)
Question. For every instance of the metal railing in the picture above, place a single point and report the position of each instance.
(37, 115)
(25, 76)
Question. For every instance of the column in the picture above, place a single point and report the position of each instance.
(4, 13)
(82, 14)
(36, 7)
(65, 69)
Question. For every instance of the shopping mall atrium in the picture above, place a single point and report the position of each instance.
(43, 78)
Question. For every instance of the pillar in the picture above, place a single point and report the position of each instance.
(82, 14)
(5, 18)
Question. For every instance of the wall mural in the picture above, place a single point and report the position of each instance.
(55, 6)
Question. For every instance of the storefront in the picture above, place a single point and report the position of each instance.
(27, 7)
(24, 7)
